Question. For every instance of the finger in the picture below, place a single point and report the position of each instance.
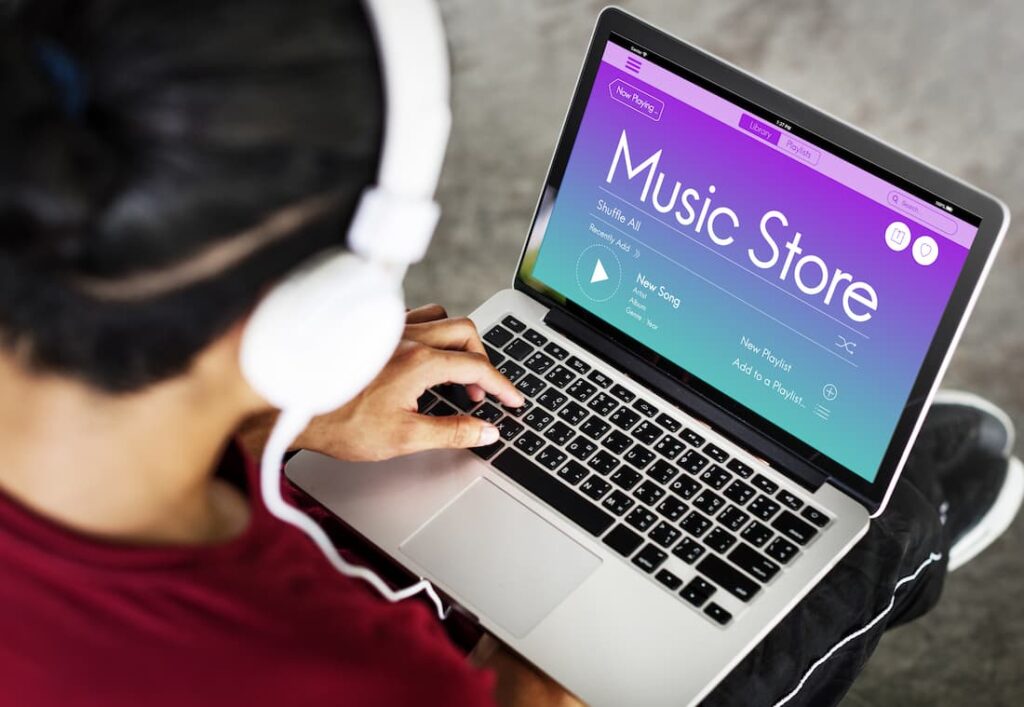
(435, 366)
(458, 334)
(454, 432)
(426, 313)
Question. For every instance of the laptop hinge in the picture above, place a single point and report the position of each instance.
(714, 416)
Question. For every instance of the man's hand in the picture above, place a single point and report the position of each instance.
(383, 422)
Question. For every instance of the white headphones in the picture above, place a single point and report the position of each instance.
(320, 336)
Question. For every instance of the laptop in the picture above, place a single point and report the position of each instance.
(729, 318)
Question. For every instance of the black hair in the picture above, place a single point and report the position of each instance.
(134, 134)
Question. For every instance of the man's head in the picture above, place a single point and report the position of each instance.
(163, 164)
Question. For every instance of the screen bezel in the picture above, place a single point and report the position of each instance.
(906, 171)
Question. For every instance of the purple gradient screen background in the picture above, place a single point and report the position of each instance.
(730, 298)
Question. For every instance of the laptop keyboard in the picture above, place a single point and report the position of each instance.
(645, 483)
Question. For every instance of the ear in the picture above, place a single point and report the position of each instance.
(217, 369)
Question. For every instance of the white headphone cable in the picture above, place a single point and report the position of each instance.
(287, 428)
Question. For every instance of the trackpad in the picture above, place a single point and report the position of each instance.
(510, 564)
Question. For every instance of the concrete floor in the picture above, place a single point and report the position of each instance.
(941, 79)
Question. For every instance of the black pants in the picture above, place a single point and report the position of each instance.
(893, 575)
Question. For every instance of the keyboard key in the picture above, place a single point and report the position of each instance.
(594, 427)
(708, 501)
(692, 438)
(535, 337)
(692, 461)
(511, 370)
(487, 412)
(573, 413)
(738, 467)
(668, 423)
(728, 578)
(529, 443)
(684, 487)
(815, 516)
(788, 500)
(539, 363)
(695, 524)
(424, 402)
(442, 409)
(648, 493)
(720, 540)
(697, 591)
(599, 378)
(717, 613)
(617, 442)
(580, 390)
(664, 534)
(603, 462)
(715, 476)
(602, 404)
(765, 484)
(557, 351)
(793, 528)
(530, 385)
(617, 502)
(647, 432)
(625, 478)
(756, 534)
(513, 324)
(551, 399)
(716, 453)
(559, 376)
(581, 448)
(661, 471)
(551, 457)
(577, 365)
(645, 407)
(457, 396)
(763, 507)
(623, 394)
(623, 540)
(488, 450)
(753, 563)
(595, 487)
(781, 550)
(552, 491)
(672, 508)
(739, 492)
(493, 356)
(641, 519)
(518, 349)
(668, 579)
(537, 419)
(624, 418)
(498, 336)
(573, 473)
(519, 411)
(688, 551)
(560, 433)
(650, 558)
(669, 447)
(639, 456)
(733, 518)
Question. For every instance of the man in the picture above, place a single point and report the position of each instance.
(138, 564)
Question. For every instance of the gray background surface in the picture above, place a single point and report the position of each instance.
(937, 78)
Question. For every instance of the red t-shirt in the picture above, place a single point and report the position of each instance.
(260, 620)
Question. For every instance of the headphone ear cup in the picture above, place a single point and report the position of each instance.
(321, 335)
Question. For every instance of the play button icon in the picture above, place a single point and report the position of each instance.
(598, 273)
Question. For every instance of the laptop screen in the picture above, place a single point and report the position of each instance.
(802, 282)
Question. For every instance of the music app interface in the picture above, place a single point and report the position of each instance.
(799, 284)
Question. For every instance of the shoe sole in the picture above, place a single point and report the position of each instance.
(963, 397)
(994, 523)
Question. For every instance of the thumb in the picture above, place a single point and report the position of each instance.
(454, 432)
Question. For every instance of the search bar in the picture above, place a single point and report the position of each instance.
(922, 212)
